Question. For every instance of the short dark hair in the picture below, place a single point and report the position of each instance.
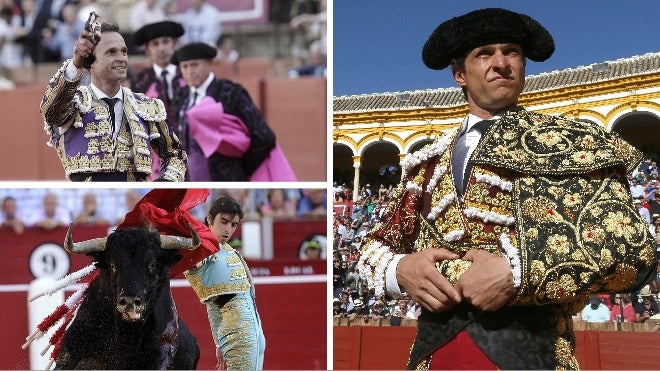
(109, 27)
(225, 205)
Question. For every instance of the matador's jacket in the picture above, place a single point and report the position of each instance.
(547, 192)
(79, 126)
(223, 282)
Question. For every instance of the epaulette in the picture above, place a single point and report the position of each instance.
(534, 143)
(149, 109)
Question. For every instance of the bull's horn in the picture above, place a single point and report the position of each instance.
(83, 247)
(181, 243)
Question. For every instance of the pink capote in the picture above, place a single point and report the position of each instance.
(231, 138)
(167, 210)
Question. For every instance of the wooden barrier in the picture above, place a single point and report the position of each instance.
(296, 110)
(388, 347)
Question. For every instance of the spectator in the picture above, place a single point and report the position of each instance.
(314, 248)
(400, 313)
(315, 64)
(643, 211)
(9, 217)
(312, 203)
(622, 301)
(90, 215)
(277, 205)
(227, 52)
(346, 302)
(51, 215)
(201, 23)
(353, 281)
(9, 51)
(66, 33)
(146, 12)
(636, 189)
(378, 310)
(647, 307)
(337, 310)
(595, 311)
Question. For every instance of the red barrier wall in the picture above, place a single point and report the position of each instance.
(379, 348)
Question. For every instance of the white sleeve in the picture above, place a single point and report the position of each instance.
(392, 287)
(72, 73)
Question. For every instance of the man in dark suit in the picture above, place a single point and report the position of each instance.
(221, 129)
(162, 79)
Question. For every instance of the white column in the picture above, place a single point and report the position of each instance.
(356, 177)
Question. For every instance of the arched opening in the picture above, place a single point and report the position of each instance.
(642, 130)
(342, 168)
(380, 165)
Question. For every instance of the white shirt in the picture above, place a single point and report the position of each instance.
(201, 90)
(171, 72)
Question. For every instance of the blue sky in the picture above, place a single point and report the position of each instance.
(377, 44)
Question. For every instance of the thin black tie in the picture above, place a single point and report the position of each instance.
(166, 86)
(461, 168)
(111, 106)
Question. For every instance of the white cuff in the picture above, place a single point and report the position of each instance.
(391, 284)
(72, 73)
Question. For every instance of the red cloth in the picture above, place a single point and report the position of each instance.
(167, 211)
(461, 353)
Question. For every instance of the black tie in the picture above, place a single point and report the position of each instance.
(111, 106)
(166, 87)
(460, 166)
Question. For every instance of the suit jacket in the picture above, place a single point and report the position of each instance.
(550, 190)
(148, 83)
(236, 101)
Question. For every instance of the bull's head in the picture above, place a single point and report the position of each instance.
(98, 244)
(134, 266)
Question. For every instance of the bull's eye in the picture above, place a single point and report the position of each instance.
(113, 268)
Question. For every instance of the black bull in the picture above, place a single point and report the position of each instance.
(128, 319)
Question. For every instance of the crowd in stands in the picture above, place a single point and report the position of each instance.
(352, 219)
(352, 299)
(52, 208)
(42, 31)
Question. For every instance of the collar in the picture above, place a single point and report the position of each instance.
(171, 70)
(201, 90)
(471, 119)
(99, 94)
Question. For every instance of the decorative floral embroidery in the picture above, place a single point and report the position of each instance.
(439, 146)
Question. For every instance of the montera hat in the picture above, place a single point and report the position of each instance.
(454, 38)
(194, 50)
(155, 30)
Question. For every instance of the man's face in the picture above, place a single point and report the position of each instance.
(160, 50)
(195, 71)
(50, 205)
(223, 226)
(9, 208)
(494, 76)
(111, 58)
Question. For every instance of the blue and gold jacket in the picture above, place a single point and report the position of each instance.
(222, 273)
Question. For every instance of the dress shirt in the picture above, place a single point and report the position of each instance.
(201, 90)
(171, 72)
